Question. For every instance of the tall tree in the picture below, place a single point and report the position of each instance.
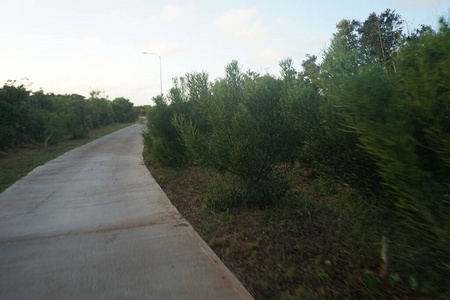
(381, 37)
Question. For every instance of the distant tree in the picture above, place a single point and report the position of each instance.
(80, 120)
(101, 111)
(13, 117)
(48, 118)
(123, 110)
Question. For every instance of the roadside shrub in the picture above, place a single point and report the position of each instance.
(401, 120)
(79, 132)
(248, 135)
(221, 195)
(123, 110)
(162, 138)
(13, 115)
(101, 110)
(50, 118)
(6, 136)
(373, 115)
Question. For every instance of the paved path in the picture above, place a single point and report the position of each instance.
(94, 224)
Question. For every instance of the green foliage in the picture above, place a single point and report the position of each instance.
(401, 119)
(221, 195)
(50, 118)
(245, 135)
(101, 110)
(12, 106)
(374, 114)
(123, 110)
(185, 100)
(371, 282)
(162, 138)
(325, 138)
(380, 37)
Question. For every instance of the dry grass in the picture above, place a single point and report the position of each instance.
(319, 244)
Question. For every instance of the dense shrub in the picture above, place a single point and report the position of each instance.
(247, 134)
(50, 118)
(162, 138)
(388, 125)
(123, 110)
(402, 120)
(373, 114)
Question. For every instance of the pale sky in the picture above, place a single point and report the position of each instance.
(75, 46)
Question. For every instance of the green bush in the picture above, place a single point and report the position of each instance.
(162, 138)
(50, 118)
(248, 134)
(123, 110)
(79, 132)
(401, 119)
(373, 114)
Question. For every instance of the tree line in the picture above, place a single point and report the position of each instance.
(27, 116)
(374, 113)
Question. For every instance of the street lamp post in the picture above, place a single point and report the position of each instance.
(160, 69)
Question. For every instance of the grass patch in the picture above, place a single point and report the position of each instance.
(321, 243)
(14, 164)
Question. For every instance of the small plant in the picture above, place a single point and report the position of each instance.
(289, 274)
(321, 273)
(218, 242)
(394, 278)
(208, 228)
(371, 283)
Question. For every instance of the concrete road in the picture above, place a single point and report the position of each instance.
(94, 224)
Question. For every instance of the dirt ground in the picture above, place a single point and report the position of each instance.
(314, 246)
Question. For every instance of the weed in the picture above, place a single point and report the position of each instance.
(394, 278)
(371, 283)
(218, 242)
(314, 239)
(289, 274)
(244, 231)
(255, 244)
(219, 197)
(321, 273)
(298, 173)
(413, 282)
(208, 228)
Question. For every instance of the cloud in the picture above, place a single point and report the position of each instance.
(91, 41)
(268, 57)
(236, 17)
(283, 22)
(241, 26)
(164, 48)
(173, 12)
(419, 2)
(116, 13)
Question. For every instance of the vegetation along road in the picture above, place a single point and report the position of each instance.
(93, 224)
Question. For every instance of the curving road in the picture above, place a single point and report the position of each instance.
(94, 224)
